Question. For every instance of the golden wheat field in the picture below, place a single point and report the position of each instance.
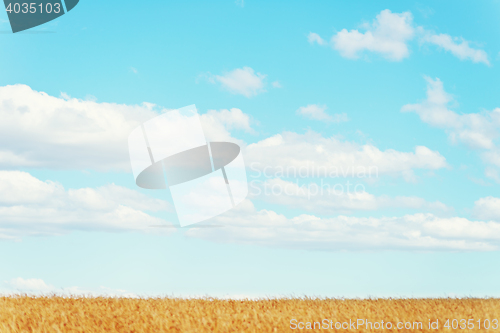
(58, 314)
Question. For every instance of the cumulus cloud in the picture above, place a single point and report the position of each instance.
(312, 153)
(317, 112)
(29, 206)
(459, 47)
(330, 197)
(390, 34)
(476, 130)
(38, 130)
(487, 209)
(479, 131)
(42, 131)
(492, 173)
(421, 232)
(276, 84)
(315, 38)
(30, 285)
(38, 287)
(233, 119)
(218, 125)
(242, 81)
(492, 156)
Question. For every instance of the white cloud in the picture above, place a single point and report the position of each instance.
(492, 173)
(276, 84)
(317, 112)
(388, 35)
(492, 157)
(476, 130)
(314, 153)
(230, 119)
(333, 197)
(39, 130)
(134, 70)
(459, 47)
(315, 38)
(218, 124)
(422, 232)
(242, 81)
(33, 285)
(487, 209)
(29, 206)
(38, 287)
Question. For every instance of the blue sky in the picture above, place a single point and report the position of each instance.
(408, 88)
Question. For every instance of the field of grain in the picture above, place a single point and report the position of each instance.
(57, 314)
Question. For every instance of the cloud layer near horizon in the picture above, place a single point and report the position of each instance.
(417, 232)
(29, 206)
